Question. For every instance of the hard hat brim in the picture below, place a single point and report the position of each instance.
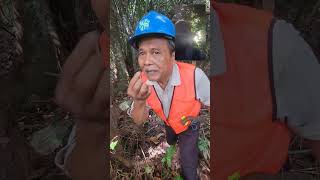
(135, 39)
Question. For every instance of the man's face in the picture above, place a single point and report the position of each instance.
(155, 58)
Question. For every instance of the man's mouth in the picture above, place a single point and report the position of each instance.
(151, 72)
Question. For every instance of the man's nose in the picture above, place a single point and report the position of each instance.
(148, 60)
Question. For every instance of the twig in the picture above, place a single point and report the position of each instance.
(6, 30)
(124, 161)
(306, 172)
(313, 12)
(315, 9)
(59, 66)
(41, 101)
(21, 118)
(150, 130)
(307, 169)
(304, 151)
(4, 16)
(52, 74)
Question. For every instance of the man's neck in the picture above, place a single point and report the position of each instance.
(163, 83)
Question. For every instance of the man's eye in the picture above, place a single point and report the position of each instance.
(141, 53)
(156, 52)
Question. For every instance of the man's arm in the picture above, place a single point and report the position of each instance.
(88, 159)
(297, 87)
(297, 84)
(139, 91)
(202, 87)
(139, 112)
(83, 91)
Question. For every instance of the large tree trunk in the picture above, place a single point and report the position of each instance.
(39, 51)
(46, 32)
(15, 156)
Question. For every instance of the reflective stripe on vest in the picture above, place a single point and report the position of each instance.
(245, 138)
(183, 103)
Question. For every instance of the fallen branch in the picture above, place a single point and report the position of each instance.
(127, 163)
(304, 151)
(52, 74)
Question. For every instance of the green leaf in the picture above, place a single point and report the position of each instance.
(48, 139)
(178, 177)
(163, 160)
(148, 169)
(170, 151)
(203, 144)
(113, 145)
(234, 176)
(169, 162)
(169, 156)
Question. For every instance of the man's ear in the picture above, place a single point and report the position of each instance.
(173, 55)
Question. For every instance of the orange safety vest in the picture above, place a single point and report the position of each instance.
(183, 103)
(245, 136)
(104, 46)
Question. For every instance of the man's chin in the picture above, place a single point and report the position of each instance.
(153, 78)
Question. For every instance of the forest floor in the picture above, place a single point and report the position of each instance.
(145, 153)
(142, 150)
(46, 127)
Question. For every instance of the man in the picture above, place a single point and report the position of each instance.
(265, 84)
(83, 91)
(170, 88)
(185, 46)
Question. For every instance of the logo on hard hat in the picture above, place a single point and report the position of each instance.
(144, 24)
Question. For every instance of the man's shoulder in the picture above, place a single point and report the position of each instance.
(285, 35)
(183, 65)
(199, 72)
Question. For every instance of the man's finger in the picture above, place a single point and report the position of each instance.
(99, 105)
(143, 90)
(137, 86)
(87, 80)
(134, 80)
(84, 84)
(73, 64)
(147, 94)
(80, 54)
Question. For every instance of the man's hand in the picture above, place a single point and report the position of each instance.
(82, 88)
(83, 91)
(137, 89)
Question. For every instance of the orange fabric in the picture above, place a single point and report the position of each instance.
(104, 46)
(183, 103)
(245, 138)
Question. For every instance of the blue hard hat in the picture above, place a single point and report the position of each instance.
(153, 24)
